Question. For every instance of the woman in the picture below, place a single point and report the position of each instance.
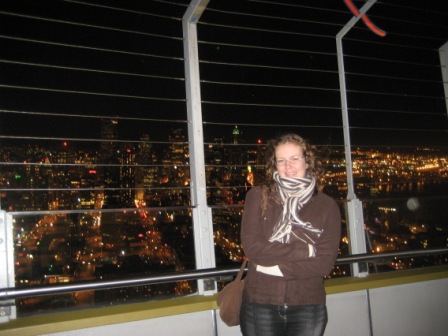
(290, 233)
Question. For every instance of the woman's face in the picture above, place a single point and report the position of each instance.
(290, 161)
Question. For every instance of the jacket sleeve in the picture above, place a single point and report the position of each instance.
(327, 250)
(256, 245)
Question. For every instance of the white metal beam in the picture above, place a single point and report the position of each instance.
(443, 52)
(7, 274)
(355, 215)
(202, 216)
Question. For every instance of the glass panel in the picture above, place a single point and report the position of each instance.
(102, 245)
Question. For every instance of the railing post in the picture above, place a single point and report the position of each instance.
(443, 52)
(355, 218)
(357, 238)
(7, 307)
(202, 214)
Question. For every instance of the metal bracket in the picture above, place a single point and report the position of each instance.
(209, 285)
(5, 310)
(7, 278)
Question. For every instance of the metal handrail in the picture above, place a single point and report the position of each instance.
(388, 255)
(210, 273)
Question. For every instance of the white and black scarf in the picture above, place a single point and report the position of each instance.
(295, 193)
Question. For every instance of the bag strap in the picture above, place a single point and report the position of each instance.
(241, 271)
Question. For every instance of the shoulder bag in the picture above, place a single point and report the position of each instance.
(230, 297)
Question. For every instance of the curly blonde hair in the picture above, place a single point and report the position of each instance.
(314, 165)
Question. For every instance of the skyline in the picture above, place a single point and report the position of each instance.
(84, 239)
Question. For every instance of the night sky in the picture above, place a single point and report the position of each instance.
(268, 67)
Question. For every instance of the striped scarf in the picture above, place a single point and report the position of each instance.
(295, 193)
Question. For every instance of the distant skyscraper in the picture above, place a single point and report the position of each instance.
(109, 172)
(109, 132)
(237, 135)
(175, 171)
(127, 177)
(147, 171)
(237, 152)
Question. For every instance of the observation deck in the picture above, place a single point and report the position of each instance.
(132, 130)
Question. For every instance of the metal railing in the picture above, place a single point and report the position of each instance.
(216, 274)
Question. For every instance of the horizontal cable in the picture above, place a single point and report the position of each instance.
(395, 199)
(154, 98)
(270, 85)
(319, 89)
(70, 115)
(275, 67)
(295, 5)
(363, 57)
(263, 30)
(382, 3)
(46, 189)
(393, 146)
(383, 93)
(263, 66)
(86, 140)
(413, 22)
(245, 46)
(313, 107)
(108, 72)
(221, 82)
(77, 46)
(400, 129)
(116, 95)
(124, 10)
(309, 35)
(302, 21)
(270, 124)
(90, 164)
(83, 211)
(395, 111)
(100, 94)
(85, 25)
(279, 18)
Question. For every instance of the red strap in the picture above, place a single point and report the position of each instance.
(365, 18)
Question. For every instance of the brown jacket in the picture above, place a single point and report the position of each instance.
(302, 281)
